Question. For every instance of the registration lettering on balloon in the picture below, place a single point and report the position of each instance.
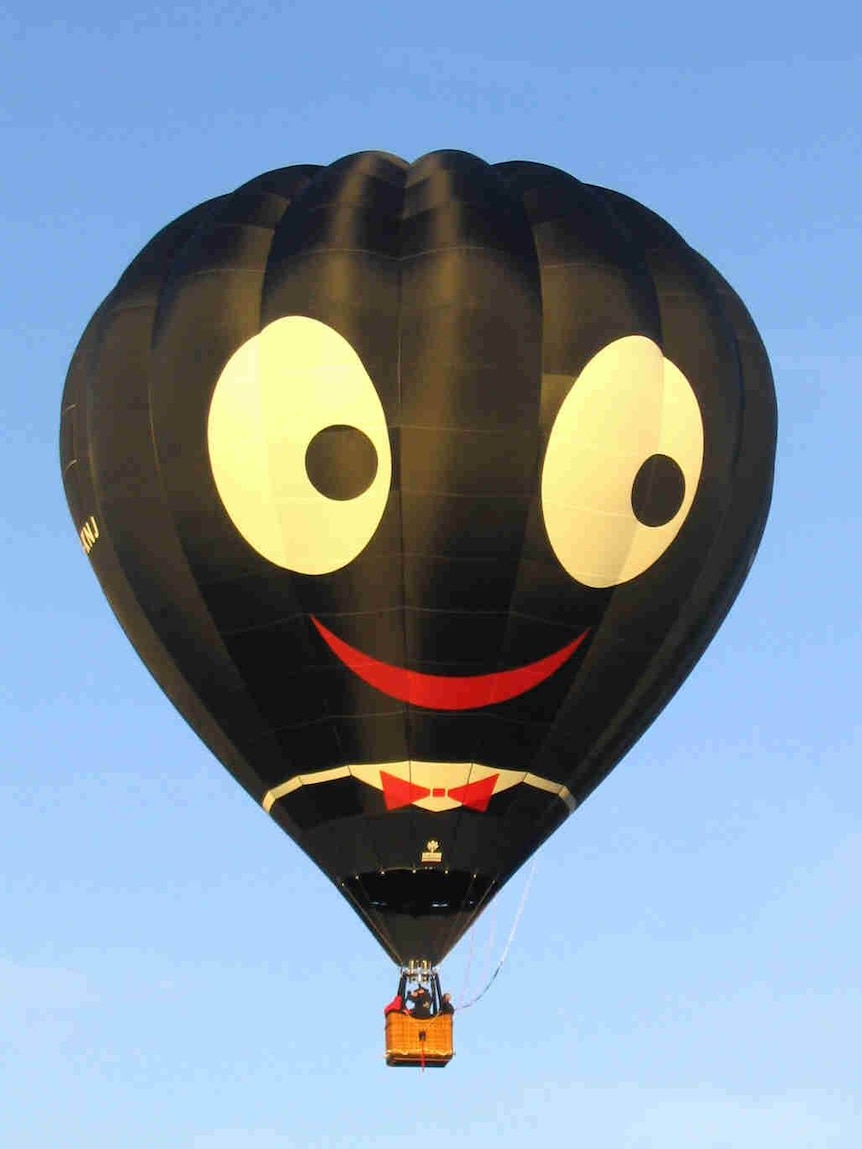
(88, 534)
(420, 488)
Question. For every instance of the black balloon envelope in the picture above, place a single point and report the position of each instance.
(419, 488)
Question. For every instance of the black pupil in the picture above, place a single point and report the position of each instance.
(341, 462)
(658, 491)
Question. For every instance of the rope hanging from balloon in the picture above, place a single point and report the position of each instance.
(508, 944)
(481, 974)
(465, 980)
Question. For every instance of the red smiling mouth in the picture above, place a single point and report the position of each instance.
(444, 692)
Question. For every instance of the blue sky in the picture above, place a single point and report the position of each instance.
(173, 971)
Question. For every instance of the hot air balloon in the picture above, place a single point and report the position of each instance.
(419, 489)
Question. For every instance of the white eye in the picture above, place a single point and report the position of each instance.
(298, 446)
(622, 465)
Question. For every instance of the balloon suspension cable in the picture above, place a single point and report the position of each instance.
(465, 980)
(487, 961)
(508, 944)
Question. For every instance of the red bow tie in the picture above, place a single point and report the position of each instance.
(399, 792)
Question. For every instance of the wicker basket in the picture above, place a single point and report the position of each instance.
(418, 1043)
